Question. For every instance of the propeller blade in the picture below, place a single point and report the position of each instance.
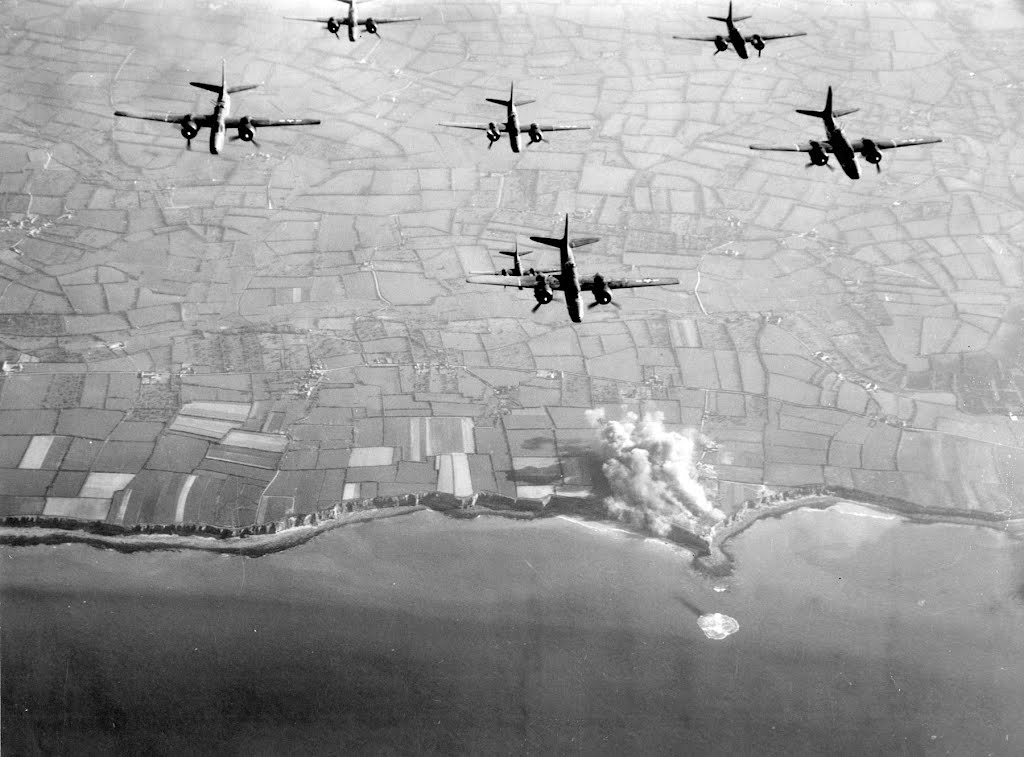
(535, 308)
(878, 167)
(593, 305)
(188, 144)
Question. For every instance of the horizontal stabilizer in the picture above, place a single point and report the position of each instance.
(550, 241)
(496, 101)
(515, 252)
(845, 112)
(241, 88)
(583, 241)
(523, 102)
(811, 113)
(208, 87)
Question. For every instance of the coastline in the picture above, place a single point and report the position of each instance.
(711, 555)
(252, 546)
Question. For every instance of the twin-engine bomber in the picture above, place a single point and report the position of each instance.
(567, 280)
(219, 121)
(736, 39)
(511, 125)
(351, 20)
(835, 143)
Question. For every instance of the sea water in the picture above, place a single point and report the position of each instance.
(858, 634)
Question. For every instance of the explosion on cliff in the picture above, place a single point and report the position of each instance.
(653, 476)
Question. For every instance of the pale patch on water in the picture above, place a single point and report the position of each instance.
(717, 626)
(858, 510)
(600, 527)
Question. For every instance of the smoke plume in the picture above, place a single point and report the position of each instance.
(653, 476)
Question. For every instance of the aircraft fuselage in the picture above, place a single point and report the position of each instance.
(738, 43)
(512, 127)
(218, 126)
(353, 22)
(570, 280)
(843, 151)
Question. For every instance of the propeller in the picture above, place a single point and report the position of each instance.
(595, 304)
(536, 307)
(188, 145)
(828, 165)
(255, 144)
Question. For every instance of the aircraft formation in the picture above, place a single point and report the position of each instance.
(564, 278)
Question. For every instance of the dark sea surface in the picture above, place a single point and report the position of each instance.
(859, 634)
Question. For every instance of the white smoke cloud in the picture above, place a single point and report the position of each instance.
(652, 473)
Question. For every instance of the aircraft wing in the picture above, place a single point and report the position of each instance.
(587, 283)
(167, 118)
(478, 127)
(262, 123)
(315, 20)
(805, 147)
(696, 39)
(560, 127)
(390, 20)
(769, 37)
(526, 281)
(889, 144)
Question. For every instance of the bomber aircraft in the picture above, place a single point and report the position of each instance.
(219, 121)
(511, 125)
(736, 39)
(351, 20)
(517, 265)
(835, 142)
(567, 280)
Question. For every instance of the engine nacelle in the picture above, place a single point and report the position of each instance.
(601, 295)
(818, 155)
(371, 27)
(870, 151)
(542, 291)
(720, 44)
(246, 131)
(492, 132)
(535, 134)
(189, 127)
(333, 25)
(757, 43)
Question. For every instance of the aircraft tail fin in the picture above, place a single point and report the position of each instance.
(828, 112)
(511, 98)
(555, 241)
(729, 18)
(217, 89)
